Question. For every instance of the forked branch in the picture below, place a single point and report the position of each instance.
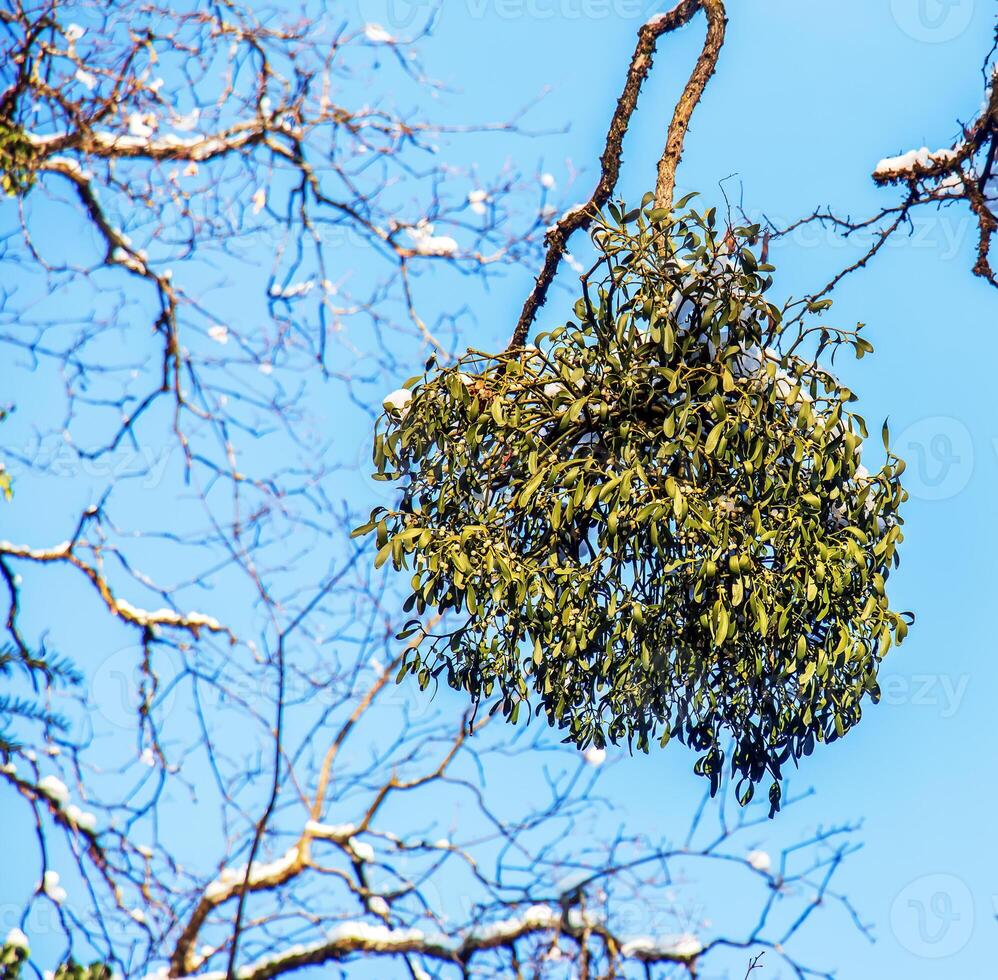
(581, 216)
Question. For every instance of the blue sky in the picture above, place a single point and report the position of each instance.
(807, 99)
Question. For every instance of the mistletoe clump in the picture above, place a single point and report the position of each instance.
(17, 160)
(655, 523)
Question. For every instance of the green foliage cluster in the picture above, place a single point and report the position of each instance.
(13, 956)
(654, 524)
(17, 159)
(75, 971)
(41, 665)
(6, 486)
(15, 710)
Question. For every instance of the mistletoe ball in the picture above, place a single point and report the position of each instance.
(655, 522)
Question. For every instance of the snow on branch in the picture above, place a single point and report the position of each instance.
(913, 163)
(192, 622)
(964, 171)
(197, 148)
(352, 938)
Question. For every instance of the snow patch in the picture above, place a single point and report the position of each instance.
(55, 789)
(186, 123)
(86, 79)
(361, 850)
(261, 874)
(535, 917)
(327, 831)
(425, 242)
(141, 126)
(398, 400)
(83, 819)
(362, 932)
(477, 200)
(52, 888)
(684, 947)
(377, 34)
(914, 160)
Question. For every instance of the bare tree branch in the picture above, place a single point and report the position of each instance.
(702, 72)
(580, 217)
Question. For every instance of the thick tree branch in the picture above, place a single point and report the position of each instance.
(581, 217)
(702, 72)
(352, 939)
